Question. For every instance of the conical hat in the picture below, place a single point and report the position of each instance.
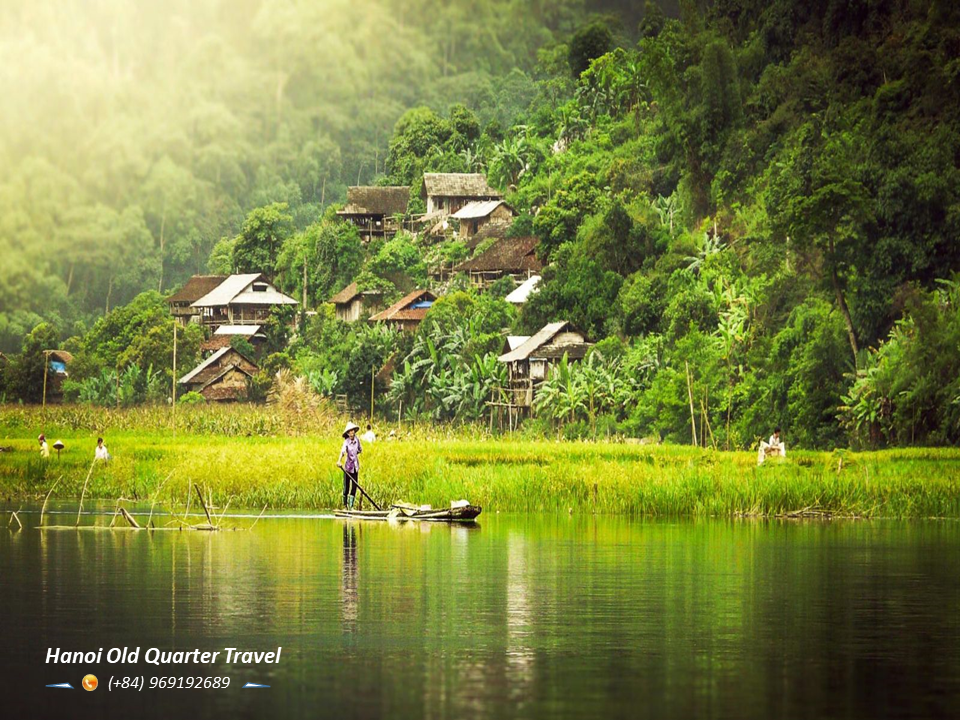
(350, 426)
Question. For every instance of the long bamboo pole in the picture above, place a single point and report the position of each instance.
(693, 421)
(173, 408)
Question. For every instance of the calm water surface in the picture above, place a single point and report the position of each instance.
(528, 617)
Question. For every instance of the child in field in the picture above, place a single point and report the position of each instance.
(350, 450)
(44, 448)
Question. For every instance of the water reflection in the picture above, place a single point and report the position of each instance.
(349, 579)
(534, 617)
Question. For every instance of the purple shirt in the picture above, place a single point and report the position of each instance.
(351, 448)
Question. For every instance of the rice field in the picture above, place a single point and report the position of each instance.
(253, 457)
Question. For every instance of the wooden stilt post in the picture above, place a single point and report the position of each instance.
(46, 368)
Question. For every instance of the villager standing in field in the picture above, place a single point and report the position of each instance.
(369, 436)
(101, 452)
(350, 450)
(44, 448)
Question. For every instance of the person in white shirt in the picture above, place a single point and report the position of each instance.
(44, 448)
(775, 447)
(368, 436)
(101, 452)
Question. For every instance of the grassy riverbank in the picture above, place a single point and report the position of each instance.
(290, 464)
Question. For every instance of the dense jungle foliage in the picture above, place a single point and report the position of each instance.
(752, 208)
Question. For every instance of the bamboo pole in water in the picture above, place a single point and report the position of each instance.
(204, 504)
(49, 493)
(84, 491)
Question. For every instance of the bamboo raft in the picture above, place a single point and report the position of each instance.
(402, 512)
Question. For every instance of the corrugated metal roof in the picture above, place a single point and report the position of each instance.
(515, 341)
(267, 297)
(477, 209)
(246, 330)
(542, 337)
(226, 291)
(236, 290)
(524, 291)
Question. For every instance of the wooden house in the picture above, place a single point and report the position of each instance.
(222, 377)
(494, 229)
(352, 304)
(529, 363)
(407, 313)
(516, 257)
(446, 193)
(181, 302)
(374, 209)
(240, 300)
(475, 215)
(55, 373)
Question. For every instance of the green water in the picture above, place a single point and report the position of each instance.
(529, 617)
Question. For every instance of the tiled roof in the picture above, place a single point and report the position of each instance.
(401, 309)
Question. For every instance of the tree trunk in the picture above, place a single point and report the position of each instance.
(845, 311)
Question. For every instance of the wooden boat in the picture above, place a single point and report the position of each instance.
(403, 512)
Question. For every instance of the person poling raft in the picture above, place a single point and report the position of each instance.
(459, 511)
(351, 450)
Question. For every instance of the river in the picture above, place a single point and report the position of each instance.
(527, 617)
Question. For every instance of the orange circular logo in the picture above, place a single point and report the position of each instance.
(89, 682)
